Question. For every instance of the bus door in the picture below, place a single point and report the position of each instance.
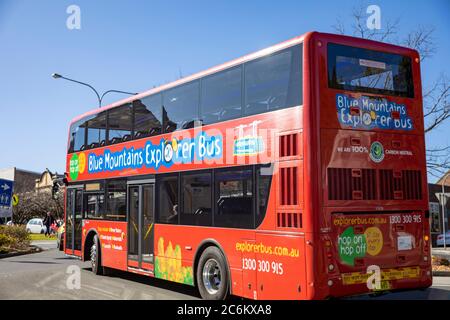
(141, 206)
(74, 217)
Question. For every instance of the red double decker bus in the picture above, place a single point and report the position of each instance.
(296, 172)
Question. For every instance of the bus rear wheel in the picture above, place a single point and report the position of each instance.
(95, 257)
(212, 275)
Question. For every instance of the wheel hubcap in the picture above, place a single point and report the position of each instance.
(211, 276)
(93, 256)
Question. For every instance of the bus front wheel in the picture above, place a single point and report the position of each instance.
(212, 275)
(95, 257)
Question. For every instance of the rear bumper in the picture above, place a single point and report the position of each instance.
(339, 289)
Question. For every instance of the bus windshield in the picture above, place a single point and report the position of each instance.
(357, 69)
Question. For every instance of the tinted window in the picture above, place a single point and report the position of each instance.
(264, 176)
(273, 82)
(116, 197)
(96, 132)
(94, 204)
(181, 107)
(78, 203)
(197, 192)
(363, 70)
(168, 199)
(147, 116)
(221, 96)
(77, 136)
(234, 199)
(120, 123)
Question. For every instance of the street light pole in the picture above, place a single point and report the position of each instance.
(443, 206)
(99, 97)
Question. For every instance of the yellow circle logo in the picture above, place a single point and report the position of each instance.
(374, 240)
(82, 162)
(373, 115)
(174, 144)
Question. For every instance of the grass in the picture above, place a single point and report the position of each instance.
(36, 236)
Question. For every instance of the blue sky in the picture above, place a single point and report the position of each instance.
(134, 45)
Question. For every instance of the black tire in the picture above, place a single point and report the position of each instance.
(212, 276)
(95, 251)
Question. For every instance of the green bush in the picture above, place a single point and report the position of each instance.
(13, 238)
(445, 262)
(5, 240)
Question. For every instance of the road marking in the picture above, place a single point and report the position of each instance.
(48, 279)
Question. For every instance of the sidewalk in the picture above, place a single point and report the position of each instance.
(44, 244)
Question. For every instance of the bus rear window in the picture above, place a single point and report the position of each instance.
(363, 70)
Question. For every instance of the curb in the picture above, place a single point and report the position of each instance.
(21, 253)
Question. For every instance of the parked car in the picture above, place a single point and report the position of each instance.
(440, 239)
(60, 234)
(36, 225)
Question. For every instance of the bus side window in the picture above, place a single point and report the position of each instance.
(77, 136)
(120, 123)
(221, 96)
(273, 82)
(167, 186)
(96, 132)
(234, 199)
(147, 116)
(180, 106)
(196, 199)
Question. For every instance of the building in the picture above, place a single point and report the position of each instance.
(447, 179)
(47, 180)
(435, 203)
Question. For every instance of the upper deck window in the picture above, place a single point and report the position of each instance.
(147, 116)
(362, 70)
(77, 136)
(96, 130)
(181, 107)
(120, 124)
(273, 82)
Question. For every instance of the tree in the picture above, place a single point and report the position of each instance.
(435, 96)
(37, 204)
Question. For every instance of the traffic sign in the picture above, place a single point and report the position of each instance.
(6, 189)
(15, 200)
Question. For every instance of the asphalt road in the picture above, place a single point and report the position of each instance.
(45, 276)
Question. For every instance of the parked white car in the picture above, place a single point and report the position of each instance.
(36, 225)
(440, 240)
